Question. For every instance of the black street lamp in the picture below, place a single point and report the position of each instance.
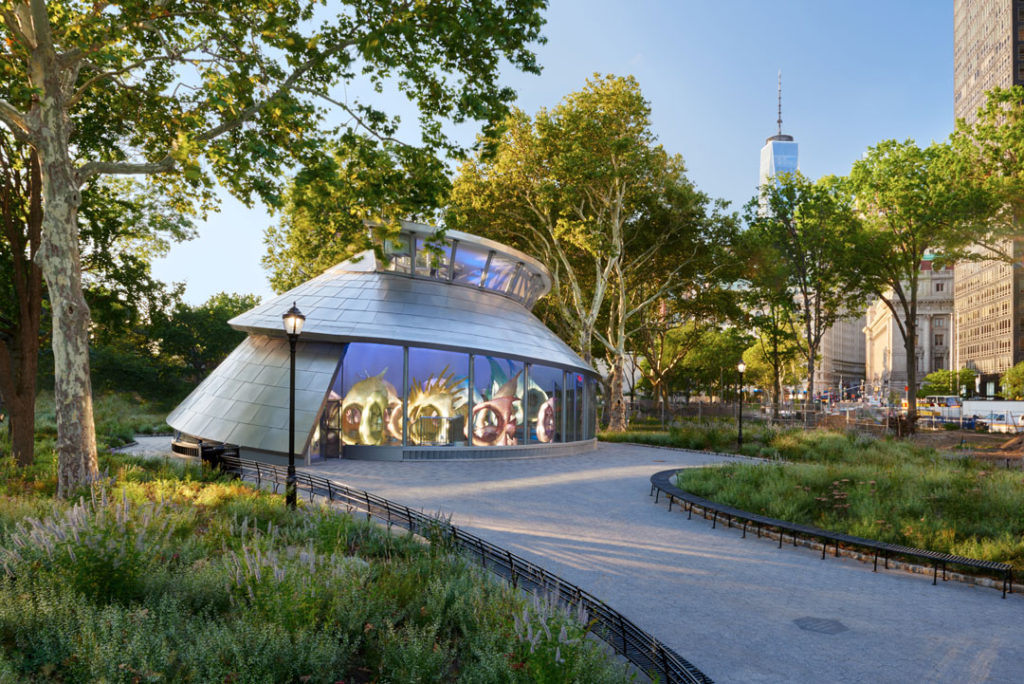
(739, 416)
(293, 320)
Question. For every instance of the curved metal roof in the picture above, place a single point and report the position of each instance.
(244, 401)
(354, 302)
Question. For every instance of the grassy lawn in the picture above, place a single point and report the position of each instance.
(877, 488)
(163, 572)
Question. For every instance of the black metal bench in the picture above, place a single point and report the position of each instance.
(661, 482)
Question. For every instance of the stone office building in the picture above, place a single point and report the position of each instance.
(886, 368)
(988, 51)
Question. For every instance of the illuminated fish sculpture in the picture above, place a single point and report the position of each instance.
(364, 412)
(438, 400)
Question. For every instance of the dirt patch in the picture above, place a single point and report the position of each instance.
(952, 439)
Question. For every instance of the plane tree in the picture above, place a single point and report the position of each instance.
(586, 188)
(195, 92)
(810, 227)
(913, 202)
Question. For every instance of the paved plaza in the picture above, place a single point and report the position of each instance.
(742, 610)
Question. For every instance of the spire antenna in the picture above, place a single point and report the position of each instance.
(780, 102)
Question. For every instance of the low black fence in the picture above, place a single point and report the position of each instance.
(640, 648)
(661, 482)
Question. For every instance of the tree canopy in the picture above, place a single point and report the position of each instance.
(586, 188)
(914, 202)
(233, 91)
(810, 227)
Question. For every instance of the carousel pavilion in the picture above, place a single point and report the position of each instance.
(434, 354)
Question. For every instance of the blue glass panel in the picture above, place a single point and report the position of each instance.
(545, 420)
(432, 258)
(438, 383)
(497, 401)
(470, 261)
(499, 273)
(371, 408)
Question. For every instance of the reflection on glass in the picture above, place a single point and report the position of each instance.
(399, 253)
(371, 412)
(438, 395)
(578, 396)
(512, 404)
(470, 261)
(591, 412)
(546, 416)
(497, 403)
(499, 273)
(533, 290)
(432, 258)
(569, 411)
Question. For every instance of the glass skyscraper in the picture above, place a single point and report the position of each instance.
(779, 155)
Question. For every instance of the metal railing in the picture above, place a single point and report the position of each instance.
(662, 483)
(626, 638)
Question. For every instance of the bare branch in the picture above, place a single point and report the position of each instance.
(362, 124)
(82, 89)
(14, 21)
(14, 119)
(95, 168)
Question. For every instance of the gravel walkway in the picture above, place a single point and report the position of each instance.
(742, 610)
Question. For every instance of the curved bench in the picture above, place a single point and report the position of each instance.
(661, 482)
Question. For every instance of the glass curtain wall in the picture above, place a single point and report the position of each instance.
(580, 400)
(463, 262)
(545, 423)
(372, 387)
(497, 401)
(590, 414)
(438, 397)
(373, 402)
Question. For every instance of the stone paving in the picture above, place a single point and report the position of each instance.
(742, 610)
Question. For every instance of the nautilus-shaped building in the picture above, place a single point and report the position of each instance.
(430, 353)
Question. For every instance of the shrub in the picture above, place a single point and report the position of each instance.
(881, 489)
(187, 580)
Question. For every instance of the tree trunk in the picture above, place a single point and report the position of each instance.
(617, 418)
(19, 355)
(910, 346)
(60, 261)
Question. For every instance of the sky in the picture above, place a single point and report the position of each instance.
(853, 74)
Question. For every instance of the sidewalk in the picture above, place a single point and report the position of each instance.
(742, 610)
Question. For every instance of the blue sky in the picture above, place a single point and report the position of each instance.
(853, 73)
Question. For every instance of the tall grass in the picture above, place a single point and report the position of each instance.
(160, 573)
(118, 418)
(881, 489)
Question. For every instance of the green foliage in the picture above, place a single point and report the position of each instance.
(197, 338)
(585, 188)
(880, 489)
(118, 417)
(915, 202)
(947, 383)
(1012, 382)
(193, 93)
(167, 576)
(809, 226)
(328, 206)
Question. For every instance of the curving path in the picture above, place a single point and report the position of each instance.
(741, 610)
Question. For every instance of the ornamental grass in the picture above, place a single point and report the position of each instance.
(881, 489)
(163, 572)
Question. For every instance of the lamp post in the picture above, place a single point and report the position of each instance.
(739, 416)
(293, 320)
